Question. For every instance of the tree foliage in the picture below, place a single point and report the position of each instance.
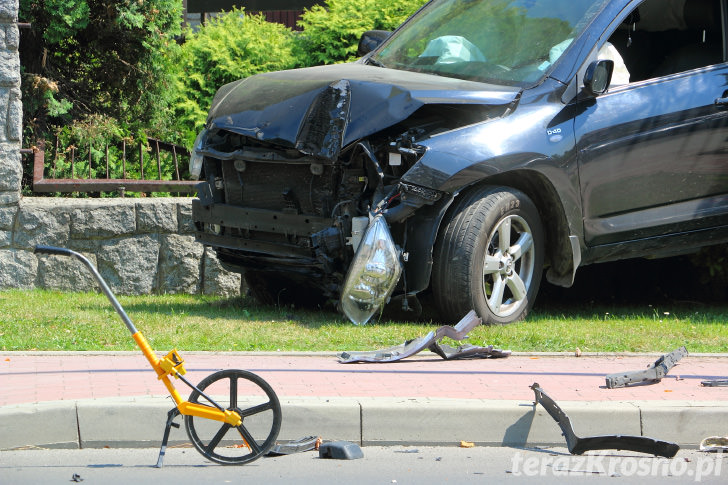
(86, 57)
(111, 69)
(229, 47)
(331, 33)
(237, 45)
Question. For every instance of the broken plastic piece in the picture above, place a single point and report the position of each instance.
(430, 341)
(467, 351)
(390, 354)
(714, 443)
(715, 383)
(653, 373)
(340, 450)
(307, 443)
(577, 445)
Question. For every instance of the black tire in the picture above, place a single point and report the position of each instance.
(504, 290)
(261, 415)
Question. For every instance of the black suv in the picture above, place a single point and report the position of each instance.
(479, 144)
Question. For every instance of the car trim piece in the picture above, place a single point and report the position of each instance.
(715, 383)
(258, 219)
(430, 341)
(654, 373)
(280, 252)
(578, 446)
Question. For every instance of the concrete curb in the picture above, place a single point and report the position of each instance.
(139, 421)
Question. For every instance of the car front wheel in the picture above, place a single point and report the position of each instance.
(489, 256)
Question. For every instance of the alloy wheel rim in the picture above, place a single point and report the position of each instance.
(508, 266)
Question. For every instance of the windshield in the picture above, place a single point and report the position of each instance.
(510, 42)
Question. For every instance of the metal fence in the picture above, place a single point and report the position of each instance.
(73, 169)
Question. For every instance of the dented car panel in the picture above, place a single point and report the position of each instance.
(353, 100)
(474, 132)
(458, 158)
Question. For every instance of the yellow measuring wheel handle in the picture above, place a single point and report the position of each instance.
(172, 363)
(148, 352)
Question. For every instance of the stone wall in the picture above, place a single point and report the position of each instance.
(139, 246)
(11, 169)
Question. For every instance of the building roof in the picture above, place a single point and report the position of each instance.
(199, 6)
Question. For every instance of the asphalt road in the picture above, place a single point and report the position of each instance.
(380, 465)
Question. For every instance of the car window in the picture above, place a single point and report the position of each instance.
(663, 37)
(511, 42)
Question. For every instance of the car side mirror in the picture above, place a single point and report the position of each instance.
(598, 76)
(370, 40)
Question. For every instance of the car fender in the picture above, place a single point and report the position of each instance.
(532, 173)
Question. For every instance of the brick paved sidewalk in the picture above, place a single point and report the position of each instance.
(29, 378)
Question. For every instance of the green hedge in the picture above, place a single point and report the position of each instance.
(331, 33)
(237, 45)
(229, 47)
(94, 57)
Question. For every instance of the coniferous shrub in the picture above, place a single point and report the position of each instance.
(229, 47)
(331, 32)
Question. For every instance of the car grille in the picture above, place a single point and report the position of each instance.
(279, 187)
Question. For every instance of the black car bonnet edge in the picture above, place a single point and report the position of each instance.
(321, 109)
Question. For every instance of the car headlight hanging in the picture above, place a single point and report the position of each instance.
(196, 158)
(372, 275)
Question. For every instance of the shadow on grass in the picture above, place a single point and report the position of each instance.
(233, 308)
(247, 308)
(637, 287)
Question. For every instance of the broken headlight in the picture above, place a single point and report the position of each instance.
(195, 157)
(372, 275)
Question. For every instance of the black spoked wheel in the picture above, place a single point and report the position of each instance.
(253, 399)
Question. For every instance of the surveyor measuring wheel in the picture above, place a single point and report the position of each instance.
(232, 416)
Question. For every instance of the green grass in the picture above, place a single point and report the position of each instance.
(47, 320)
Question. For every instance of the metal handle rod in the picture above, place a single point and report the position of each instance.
(178, 375)
(104, 287)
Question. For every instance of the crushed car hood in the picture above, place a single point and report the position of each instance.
(321, 109)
